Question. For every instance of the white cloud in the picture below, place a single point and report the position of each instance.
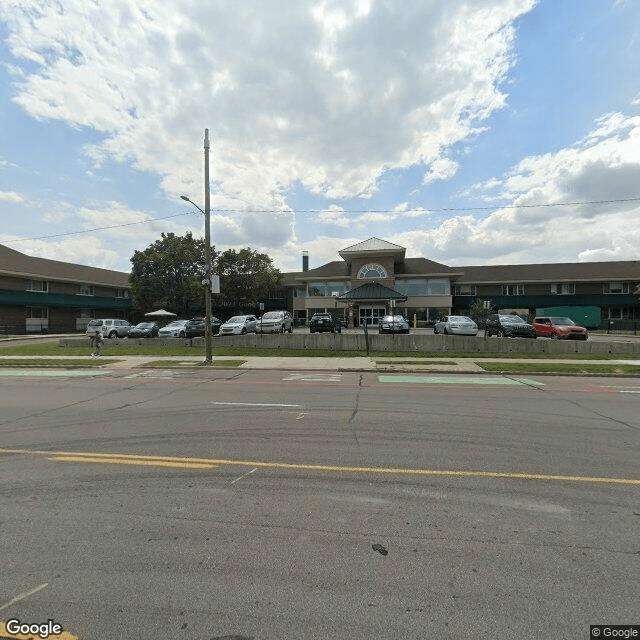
(335, 216)
(604, 166)
(327, 95)
(11, 196)
(441, 169)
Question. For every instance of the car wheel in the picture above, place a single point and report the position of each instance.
(554, 336)
(244, 331)
(282, 329)
(182, 334)
(435, 330)
(113, 334)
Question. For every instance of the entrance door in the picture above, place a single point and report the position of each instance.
(371, 315)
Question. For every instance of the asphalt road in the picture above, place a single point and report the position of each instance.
(210, 504)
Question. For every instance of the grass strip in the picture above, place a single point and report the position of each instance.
(67, 363)
(424, 363)
(168, 364)
(557, 367)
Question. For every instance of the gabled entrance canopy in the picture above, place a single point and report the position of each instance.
(372, 291)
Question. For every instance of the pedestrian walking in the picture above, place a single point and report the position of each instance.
(96, 341)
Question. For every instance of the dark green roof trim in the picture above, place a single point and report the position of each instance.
(372, 291)
(42, 299)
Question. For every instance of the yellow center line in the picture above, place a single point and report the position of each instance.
(140, 462)
(213, 462)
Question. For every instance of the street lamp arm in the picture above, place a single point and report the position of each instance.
(193, 203)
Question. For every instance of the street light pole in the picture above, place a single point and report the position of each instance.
(207, 251)
(208, 359)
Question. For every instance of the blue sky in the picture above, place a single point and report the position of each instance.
(446, 127)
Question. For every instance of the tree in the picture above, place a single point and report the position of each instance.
(478, 310)
(246, 277)
(168, 274)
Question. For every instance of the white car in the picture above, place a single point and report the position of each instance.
(239, 325)
(457, 325)
(175, 329)
(275, 322)
(109, 328)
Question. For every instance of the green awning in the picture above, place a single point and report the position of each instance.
(372, 291)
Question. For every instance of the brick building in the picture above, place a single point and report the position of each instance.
(40, 295)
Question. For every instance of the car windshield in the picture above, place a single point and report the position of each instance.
(562, 321)
(512, 319)
(393, 319)
(144, 325)
(459, 319)
(272, 315)
(236, 320)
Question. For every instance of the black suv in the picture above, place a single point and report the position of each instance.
(195, 327)
(509, 326)
(324, 322)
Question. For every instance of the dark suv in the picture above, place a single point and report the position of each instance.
(196, 326)
(509, 326)
(324, 322)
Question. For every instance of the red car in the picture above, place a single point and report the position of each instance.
(559, 328)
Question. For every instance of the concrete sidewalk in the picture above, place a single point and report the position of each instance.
(310, 363)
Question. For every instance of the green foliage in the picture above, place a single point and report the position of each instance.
(478, 311)
(168, 274)
(246, 277)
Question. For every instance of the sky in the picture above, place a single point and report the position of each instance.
(471, 133)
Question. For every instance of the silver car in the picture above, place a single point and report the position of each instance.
(275, 322)
(393, 324)
(456, 325)
(239, 325)
(109, 328)
(175, 329)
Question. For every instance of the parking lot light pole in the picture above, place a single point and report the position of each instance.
(208, 359)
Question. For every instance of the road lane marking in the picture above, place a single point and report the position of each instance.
(23, 596)
(244, 475)
(313, 377)
(41, 373)
(464, 379)
(212, 462)
(140, 462)
(255, 404)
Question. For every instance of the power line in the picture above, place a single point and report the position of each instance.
(341, 211)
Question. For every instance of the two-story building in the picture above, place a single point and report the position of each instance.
(375, 276)
(38, 295)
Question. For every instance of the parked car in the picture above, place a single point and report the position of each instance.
(275, 322)
(324, 322)
(175, 329)
(144, 330)
(393, 324)
(510, 326)
(110, 328)
(456, 325)
(239, 325)
(559, 328)
(196, 327)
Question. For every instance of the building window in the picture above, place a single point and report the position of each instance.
(563, 289)
(372, 270)
(37, 285)
(120, 293)
(86, 290)
(615, 287)
(300, 292)
(37, 312)
(466, 290)
(422, 287)
(328, 289)
(512, 289)
(618, 313)
(86, 313)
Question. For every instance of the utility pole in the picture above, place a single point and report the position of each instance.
(207, 252)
